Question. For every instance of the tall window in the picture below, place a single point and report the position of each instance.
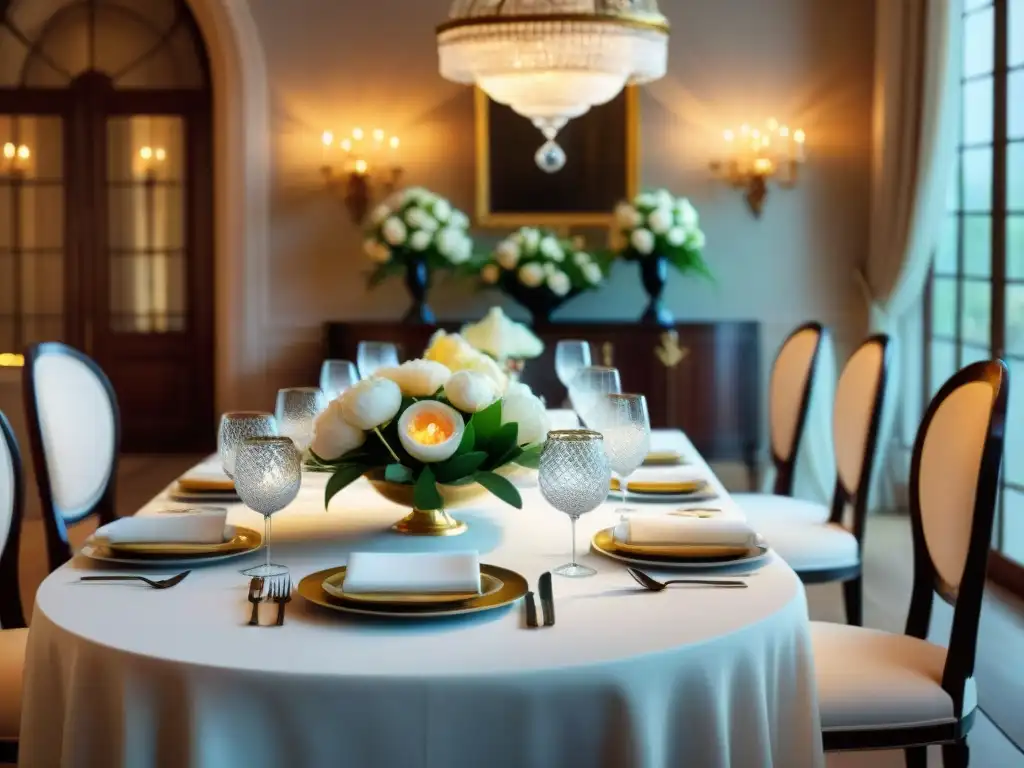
(975, 304)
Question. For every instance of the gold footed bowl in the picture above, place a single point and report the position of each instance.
(426, 522)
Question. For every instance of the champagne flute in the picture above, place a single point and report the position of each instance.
(590, 385)
(268, 473)
(297, 409)
(626, 426)
(574, 478)
(372, 355)
(235, 427)
(336, 376)
(570, 356)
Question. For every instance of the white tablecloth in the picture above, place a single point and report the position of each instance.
(120, 675)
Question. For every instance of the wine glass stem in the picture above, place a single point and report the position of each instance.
(624, 487)
(266, 538)
(573, 519)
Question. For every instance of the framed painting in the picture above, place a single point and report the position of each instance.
(602, 166)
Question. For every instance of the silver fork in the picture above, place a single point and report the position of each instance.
(281, 593)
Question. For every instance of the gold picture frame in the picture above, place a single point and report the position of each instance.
(626, 170)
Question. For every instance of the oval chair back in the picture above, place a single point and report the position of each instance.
(74, 431)
(12, 504)
(789, 396)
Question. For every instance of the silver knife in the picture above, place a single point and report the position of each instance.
(531, 611)
(547, 599)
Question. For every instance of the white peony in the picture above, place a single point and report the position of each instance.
(592, 273)
(626, 216)
(508, 253)
(660, 221)
(463, 248)
(531, 275)
(529, 413)
(686, 214)
(664, 198)
(450, 243)
(377, 251)
(490, 274)
(559, 283)
(695, 239)
(676, 236)
(442, 210)
(646, 201)
(502, 338)
(517, 388)
(642, 240)
(470, 391)
(380, 213)
(420, 240)
(549, 269)
(370, 403)
(580, 258)
(394, 231)
(417, 378)
(481, 363)
(549, 247)
(459, 220)
(417, 218)
(333, 437)
(530, 238)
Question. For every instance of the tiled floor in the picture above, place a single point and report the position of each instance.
(887, 591)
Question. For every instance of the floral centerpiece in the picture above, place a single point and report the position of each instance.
(416, 232)
(508, 342)
(661, 230)
(542, 271)
(428, 437)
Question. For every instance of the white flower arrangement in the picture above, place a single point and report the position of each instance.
(415, 224)
(502, 338)
(657, 223)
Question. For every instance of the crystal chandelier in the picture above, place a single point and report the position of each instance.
(552, 60)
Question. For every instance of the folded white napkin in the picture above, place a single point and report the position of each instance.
(191, 526)
(208, 476)
(683, 528)
(424, 572)
(562, 418)
(671, 474)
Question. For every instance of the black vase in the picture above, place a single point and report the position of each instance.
(417, 280)
(653, 274)
(540, 302)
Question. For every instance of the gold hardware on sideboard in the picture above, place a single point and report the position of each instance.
(670, 353)
(607, 354)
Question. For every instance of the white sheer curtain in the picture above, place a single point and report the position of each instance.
(916, 114)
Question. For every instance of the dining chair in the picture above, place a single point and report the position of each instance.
(817, 541)
(74, 433)
(13, 634)
(880, 690)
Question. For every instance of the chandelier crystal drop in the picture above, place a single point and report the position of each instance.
(552, 60)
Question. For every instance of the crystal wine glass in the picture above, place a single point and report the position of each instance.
(570, 356)
(336, 376)
(590, 385)
(268, 473)
(297, 408)
(372, 355)
(626, 426)
(236, 426)
(574, 477)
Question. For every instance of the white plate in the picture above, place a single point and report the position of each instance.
(696, 565)
(103, 555)
(664, 498)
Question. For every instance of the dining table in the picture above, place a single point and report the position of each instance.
(125, 675)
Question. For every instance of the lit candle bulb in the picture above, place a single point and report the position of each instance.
(430, 431)
(799, 137)
(160, 154)
(10, 150)
(393, 142)
(24, 153)
(146, 153)
(360, 166)
(378, 135)
(346, 144)
(357, 134)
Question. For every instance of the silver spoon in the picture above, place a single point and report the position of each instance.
(154, 583)
(649, 582)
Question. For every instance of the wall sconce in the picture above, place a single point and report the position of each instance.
(151, 159)
(756, 155)
(361, 160)
(15, 158)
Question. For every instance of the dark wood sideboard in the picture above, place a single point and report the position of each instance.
(703, 378)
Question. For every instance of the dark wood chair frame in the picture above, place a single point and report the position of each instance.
(965, 599)
(12, 615)
(56, 524)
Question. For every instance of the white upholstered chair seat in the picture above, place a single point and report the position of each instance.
(811, 547)
(769, 508)
(12, 661)
(868, 679)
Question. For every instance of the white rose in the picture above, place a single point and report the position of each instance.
(417, 218)
(517, 388)
(592, 273)
(559, 283)
(470, 391)
(549, 269)
(646, 201)
(484, 364)
(490, 274)
(626, 216)
(676, 236)
(660, 220)
(529, 413)
(394, 231)
(508, 253)
(380, 213)
(531, 275)
(370, 403)
(686, 214)
(459, 220)
(333, 437)
(377, 251)
(420, 240)
(550, 248)
(462, 247)
(450, 243)
(442, 210)
(530, 238)
(695, 239)
(642, 240)
(664, 198)
(417, 378)
(580, 258)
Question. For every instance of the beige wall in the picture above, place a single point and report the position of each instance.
(338, 64)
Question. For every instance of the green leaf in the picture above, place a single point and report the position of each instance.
(501, 488)
(502, 441)
(459, 466)
(343, 476)
(468, 441)
(510, 455)
(530, 457)
(425, 494)
(487, 422)
(397, 473)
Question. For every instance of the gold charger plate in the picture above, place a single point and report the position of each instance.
(206, 485)
(513, 587)
(333, 586)
(242, 540)
(657, 487)
(604, 541)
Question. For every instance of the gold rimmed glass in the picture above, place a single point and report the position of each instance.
(236, 426)
(268, 473)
